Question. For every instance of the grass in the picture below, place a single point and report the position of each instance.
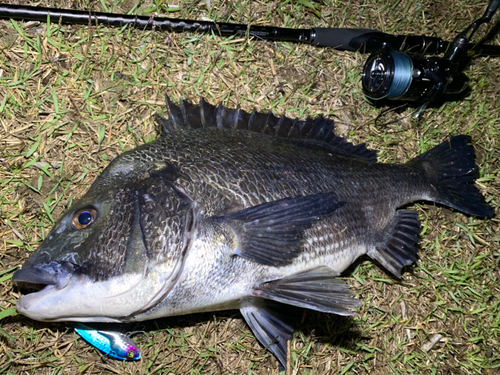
(72, 98)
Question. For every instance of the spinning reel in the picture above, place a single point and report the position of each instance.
(405, 76)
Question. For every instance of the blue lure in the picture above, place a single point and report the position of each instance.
(114, 344)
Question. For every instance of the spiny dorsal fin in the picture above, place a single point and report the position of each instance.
(319, 129)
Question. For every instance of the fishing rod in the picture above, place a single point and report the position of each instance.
(361, 40)
(397, 69)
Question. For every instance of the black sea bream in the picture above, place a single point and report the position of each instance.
(231, 210)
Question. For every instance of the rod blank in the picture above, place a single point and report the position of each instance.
(70, 16)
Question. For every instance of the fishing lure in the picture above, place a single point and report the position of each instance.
(114, 344)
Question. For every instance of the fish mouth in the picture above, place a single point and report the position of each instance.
(36, 280)
(60, 291)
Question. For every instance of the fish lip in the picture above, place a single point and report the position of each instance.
(25, 303)
(29, 306)
(54, 273)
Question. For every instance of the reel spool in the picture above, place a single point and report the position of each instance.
(396, 75)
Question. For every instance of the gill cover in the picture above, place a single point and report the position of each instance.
(167, 222)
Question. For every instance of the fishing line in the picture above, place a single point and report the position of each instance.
(402, 75)
(135, 333)
(390, 75)
(417, 110)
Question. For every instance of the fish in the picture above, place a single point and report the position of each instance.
(235, 210)
(115, 344)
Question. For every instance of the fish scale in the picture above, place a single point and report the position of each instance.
(246, 160)
(231, 210)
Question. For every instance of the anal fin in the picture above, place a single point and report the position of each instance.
(397, 248)
(316, 289)
(269, 328)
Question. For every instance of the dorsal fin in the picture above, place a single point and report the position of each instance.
(187, 115)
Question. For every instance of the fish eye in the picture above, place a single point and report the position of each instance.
(131, 354)
(84, 218)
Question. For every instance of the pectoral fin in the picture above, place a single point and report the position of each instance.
(272, 233)
(316, 289)
(269, 328)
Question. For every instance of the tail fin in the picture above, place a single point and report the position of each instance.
(451, 168)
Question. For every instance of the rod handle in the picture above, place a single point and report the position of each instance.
(366, 40)
(344, 39)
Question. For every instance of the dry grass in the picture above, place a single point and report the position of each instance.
(73, 98)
